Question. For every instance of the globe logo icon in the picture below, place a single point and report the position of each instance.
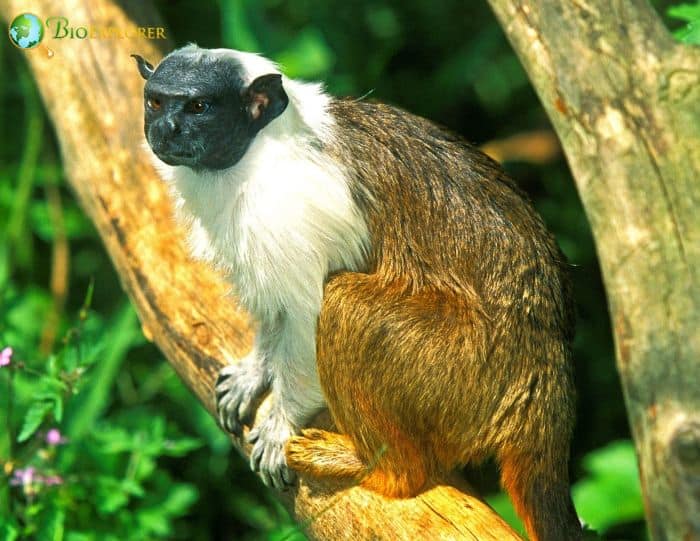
(26, 31)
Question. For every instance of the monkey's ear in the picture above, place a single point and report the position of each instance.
(145, 67)
(264, 100)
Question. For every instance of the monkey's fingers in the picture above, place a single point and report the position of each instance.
(267, 457)
(238, 390)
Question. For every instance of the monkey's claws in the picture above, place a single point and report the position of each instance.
(238, 389)
(267, 457)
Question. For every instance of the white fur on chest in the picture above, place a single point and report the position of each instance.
(277, 227)
(279, 220)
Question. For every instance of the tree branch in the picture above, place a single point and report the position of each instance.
(93, 93)
(624, 99)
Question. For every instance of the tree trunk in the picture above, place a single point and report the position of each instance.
(624, 98)
(93, 93)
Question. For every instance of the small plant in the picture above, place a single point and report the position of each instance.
(70, 472)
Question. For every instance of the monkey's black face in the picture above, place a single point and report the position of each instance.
(194, 114)
(199, 113)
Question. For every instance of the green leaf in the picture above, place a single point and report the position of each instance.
(611, 493)
(146, 467)
(34, 509)
(685, 12)
(181, 446)
(689, 13)
(114, 439)
(110, 495)
(133, 488)
(58, 408)
(180, 498)
(52, 526)
(156, 519)
(51, 390)
(33, 419)
(153, 521)
(9, 529)
(690, 34)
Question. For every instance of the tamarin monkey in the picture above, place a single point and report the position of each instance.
(397, 276)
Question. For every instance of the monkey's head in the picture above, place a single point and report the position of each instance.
(202, 107)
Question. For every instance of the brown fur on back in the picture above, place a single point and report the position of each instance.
(456, 344)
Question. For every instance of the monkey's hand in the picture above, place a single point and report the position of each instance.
(268, 457)
(238, 390)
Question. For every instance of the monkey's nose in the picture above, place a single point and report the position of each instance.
(171, 126)
(165, 128)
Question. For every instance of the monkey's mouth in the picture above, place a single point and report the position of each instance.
(177, 157)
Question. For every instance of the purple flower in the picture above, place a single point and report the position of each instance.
(52, 480)
(5, 356)
(54, 437)
(29, 479)
(23, 476)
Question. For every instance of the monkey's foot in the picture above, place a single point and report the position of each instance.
(238, 389)
(268, 457)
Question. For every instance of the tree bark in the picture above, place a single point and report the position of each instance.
(93, 94)
(624, 98)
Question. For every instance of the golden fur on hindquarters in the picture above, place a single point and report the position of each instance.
(455, 346)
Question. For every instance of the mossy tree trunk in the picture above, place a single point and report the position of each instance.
(624, 98)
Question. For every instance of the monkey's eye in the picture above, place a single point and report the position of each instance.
(153, 104)
(197, 106)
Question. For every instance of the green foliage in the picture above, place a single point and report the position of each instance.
(35, 416)
(105, 470)
(610, 494)
(690, 14)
